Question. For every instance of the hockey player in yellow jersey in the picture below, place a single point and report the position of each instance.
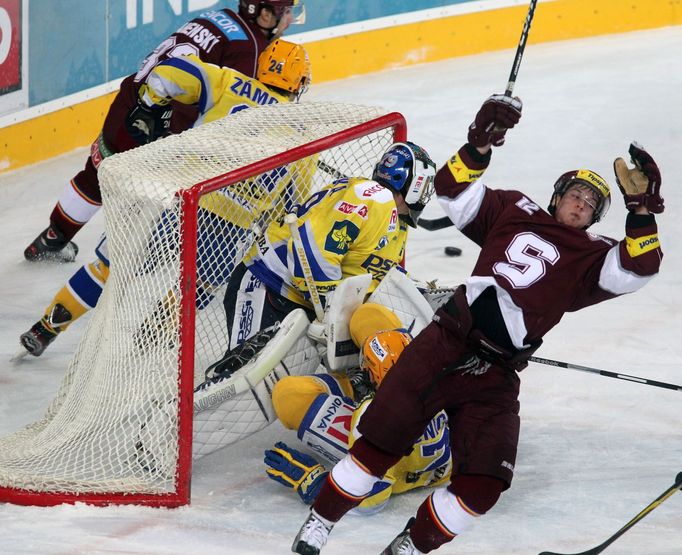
(351, 227)
(325, 408)
(283, 75)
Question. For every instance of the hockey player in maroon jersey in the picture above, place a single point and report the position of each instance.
(534, 266)
(220, 37)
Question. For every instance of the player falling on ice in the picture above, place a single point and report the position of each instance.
(533, 267)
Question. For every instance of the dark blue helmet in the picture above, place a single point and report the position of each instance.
(407, 169)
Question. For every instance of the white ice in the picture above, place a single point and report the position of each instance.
(593, 452)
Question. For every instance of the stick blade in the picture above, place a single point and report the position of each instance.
(593, 551)
(435, 224)
(19, 356)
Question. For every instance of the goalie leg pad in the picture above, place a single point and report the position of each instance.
(244, 305)
(233, 408)
(349, 295)
(399, 293)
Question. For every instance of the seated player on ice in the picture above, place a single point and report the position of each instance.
(325, 408)
(283, 76)
(354, 226)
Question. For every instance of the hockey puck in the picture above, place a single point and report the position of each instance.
(453, 251)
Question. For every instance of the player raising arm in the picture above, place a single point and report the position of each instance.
(533, 267)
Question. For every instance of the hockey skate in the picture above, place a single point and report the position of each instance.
(312, 535)
(45, 331)
(51, 245)
(402, 544)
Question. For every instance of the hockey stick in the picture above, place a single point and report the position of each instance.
(444, 222)
(606, 373)
(655, 503)
(326, 168)
(291, 220)
(520, 48)
(435, 224)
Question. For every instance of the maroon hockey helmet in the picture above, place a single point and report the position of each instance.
(251, 8)
(587, 178)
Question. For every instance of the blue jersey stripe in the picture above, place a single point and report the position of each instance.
(318, 272)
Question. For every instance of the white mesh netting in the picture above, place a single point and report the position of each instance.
(97, 434)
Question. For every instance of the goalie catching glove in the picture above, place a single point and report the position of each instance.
(640, 185)
(295, 470)
(498, 113)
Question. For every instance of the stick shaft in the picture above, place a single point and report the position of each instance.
(608, 374)
(650, 507)
(520, 48)
(291, 221)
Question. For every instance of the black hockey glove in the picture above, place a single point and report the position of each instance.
(498, 113)
(641, 185)
(146, 124)
(361, 384)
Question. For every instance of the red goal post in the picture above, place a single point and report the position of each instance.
(179, 215)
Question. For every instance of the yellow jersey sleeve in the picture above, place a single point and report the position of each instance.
(217, 91)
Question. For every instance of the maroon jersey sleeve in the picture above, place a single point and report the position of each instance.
(540, 268)
(627, 266)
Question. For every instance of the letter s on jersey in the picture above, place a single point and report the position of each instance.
(527, 256)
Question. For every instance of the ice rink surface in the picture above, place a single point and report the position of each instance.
(593, 451)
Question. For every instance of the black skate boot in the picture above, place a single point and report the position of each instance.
(44, 332)
(312, 535)
(51, 245)
(402, 544)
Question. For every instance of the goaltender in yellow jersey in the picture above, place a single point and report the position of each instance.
(353, 226)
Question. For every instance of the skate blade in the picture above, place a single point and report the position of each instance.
(19, 356)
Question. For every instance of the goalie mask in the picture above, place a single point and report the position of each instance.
(590, 180)
(407, 169)
(284, 65)
(381, 352)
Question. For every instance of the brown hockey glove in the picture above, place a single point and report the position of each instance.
(498, 113)
(640, 185)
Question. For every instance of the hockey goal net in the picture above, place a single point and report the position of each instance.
(179, 216)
